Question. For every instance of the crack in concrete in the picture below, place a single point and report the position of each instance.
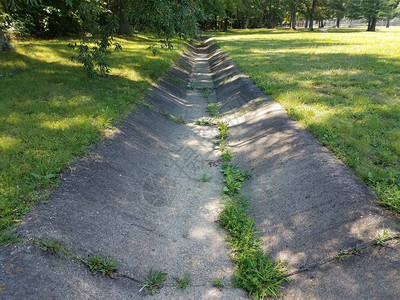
(336, 259)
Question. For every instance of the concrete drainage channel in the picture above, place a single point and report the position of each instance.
(149, 198)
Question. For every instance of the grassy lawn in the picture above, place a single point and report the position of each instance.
(51, 112)
(343, 86)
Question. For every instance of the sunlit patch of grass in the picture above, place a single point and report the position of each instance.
(342, 86)
(51, 112)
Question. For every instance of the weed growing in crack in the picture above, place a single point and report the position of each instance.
(355, 251)
(259, 275)
(206, 178)
(223, 146)
(105, 266)
(191, 86)
(204, 122)
(184, 281)
(153, 282)
(233, 179)
(256, 272)
(226, 156)
(96, 264)
(165, 114)
(218, 283)
(53, 247)
(382, 237)
(223, 130)
(206, 93)
(147, 105)
(212, 109)
(179, 120)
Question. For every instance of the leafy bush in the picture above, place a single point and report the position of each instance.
(95, 59)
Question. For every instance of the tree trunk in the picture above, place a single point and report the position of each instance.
(372, 25)
(306, 24)
(293, 17)
(124, 27)
(4, 42)
(311, 25)
(388, 22)
(351, 23)
(271, 16)
(338, 22)
(246, 25)
(261, 22)
(225, 25)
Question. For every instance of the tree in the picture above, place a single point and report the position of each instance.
(338, 10)
(353, 10)
(292, 8)
(166, 18)
(390, 11)
(122, 9)
(312, 15)
(212, 12)
(45, 18)
(5, 7)
(4, 42)
(372, 10)
(304, 10)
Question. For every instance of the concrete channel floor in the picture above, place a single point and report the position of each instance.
(138, 198)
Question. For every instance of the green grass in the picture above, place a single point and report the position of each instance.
(342, 86)
(259, 275)
(51, 112)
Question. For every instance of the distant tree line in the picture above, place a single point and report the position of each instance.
(221, 14)
(183, 18)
